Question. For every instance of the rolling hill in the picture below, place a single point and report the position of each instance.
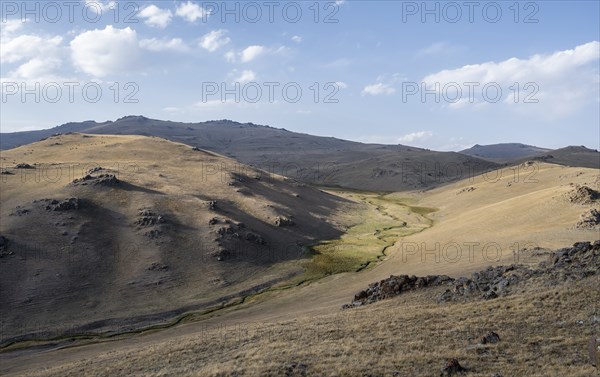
(107, 233)
(504, 152)
(325, 161)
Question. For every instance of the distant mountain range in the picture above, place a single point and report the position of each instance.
(504, 152)
(326, 161)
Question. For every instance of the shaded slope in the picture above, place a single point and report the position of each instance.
(153, 227)
(321, 160)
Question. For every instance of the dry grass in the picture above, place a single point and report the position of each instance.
(544, 332)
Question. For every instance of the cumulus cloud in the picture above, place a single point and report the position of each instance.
(415, 136)
(215, 39)
(27, 46)
(101, 52)
(384, 85)
(560, 82)
(230, 56)
(155, 16)
(158, 45)
(191, 11)
(252, 52)
(377, 89)
(297, 38)
(39, 56)
(246, 76)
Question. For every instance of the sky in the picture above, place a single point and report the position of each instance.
(438, 75)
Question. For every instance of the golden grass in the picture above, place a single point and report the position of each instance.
(544, 332)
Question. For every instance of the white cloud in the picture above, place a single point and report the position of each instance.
(297, 38)
(27, 46)
(252, 52)
(158, 45)
(10, 26)
(39, 56)
(99, 6)
(561, 82)
(383, 86)
(214, 40)
(191, 12)
(101, 52)
(155, 16)
(377, 89)
(38, 68)
(230, 56)
(341, 84)
(246, 77)
(415, 136)
(435, 48)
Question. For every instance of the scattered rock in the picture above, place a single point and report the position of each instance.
(582, 195)
(466, 189)
(281, 221)
(99, 180)
(395, 285)
(68, 204)
(293, 369)
(24, 166)
(147, 218)
(95, 170)
(155, 266)
(213, 205)
(451, 368)
(6, 172)
(196, 149)
(253, 237)
(213, 221)
(490, 338)
(19, 211)
(567, 264)
(589, 219)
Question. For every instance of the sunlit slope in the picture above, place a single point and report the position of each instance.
(157, 228)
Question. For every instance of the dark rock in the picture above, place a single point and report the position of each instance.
(452, 367)
(99, 180)
(284, 221)
(213, 221)
(491, 338)
(64, 205)
(253, 237)
(6, 172)
(213, 205)
(155, 266)
(24, 166)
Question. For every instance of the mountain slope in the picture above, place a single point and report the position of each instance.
(105, 233)
(320, 160)
(504, 152)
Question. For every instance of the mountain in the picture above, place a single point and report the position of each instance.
(105, 233)
(504, 152)
(325, 161)
(572, 156)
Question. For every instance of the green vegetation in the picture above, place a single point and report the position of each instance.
(385, 221)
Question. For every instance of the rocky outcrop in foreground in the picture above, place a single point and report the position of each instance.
(567, 264)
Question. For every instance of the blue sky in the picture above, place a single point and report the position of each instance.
(386, 71)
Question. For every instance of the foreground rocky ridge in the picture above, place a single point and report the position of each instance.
(566, 264)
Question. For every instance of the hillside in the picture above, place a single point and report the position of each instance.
(460, 228)
(319, 160)
(504, 152)
(107, 233)
(572, 156)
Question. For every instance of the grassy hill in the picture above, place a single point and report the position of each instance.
(109, 233)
